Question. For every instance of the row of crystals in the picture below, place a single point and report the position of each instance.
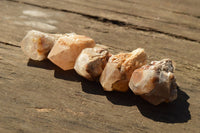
(155, 82)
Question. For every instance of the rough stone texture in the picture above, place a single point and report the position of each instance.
(36, 45)
(67, 48)
(91, 62)
(72, 104)
(155, 82)
(119, 68)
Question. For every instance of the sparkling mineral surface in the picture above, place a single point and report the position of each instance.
(155, 82)
(67, 48)
(91, 62)
(36, 45)
(118, 70)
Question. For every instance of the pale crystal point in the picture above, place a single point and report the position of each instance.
(36, 45)
(155, 82)
(67, 48)
(91, 62)
(119, 68)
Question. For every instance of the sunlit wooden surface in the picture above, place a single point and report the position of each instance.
(40, 97)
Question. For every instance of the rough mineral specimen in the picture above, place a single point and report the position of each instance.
(67, 48)
(91, 62)
(118, 70)
(36, 45)
(155, 82)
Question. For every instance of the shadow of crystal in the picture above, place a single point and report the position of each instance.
(175, 112)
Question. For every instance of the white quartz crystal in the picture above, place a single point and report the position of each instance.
(36, 45)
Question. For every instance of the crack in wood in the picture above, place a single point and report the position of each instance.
(14, 45)
(137, 27)
(6, 43)
(137, 16)
(115, 22)
(187, 14)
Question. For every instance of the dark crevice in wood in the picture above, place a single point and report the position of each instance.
(115, 22)
(187, 14)
(137, 16)
(5, 78)
(137, 27)
(9, 44)
(6, 43)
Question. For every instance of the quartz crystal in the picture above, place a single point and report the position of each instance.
(118, 70)
(155, 82)
(91, 62)
(36, 45)
(67, 48)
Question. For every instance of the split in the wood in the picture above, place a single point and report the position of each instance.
(155, 82)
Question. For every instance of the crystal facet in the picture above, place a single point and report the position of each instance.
(91, 62)
(119, 68)
(67, 48)
(36, 45)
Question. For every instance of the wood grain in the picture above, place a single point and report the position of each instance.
(40, 97)
(145, 15)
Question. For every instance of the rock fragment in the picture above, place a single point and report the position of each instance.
(155, 82)
(91, 62)
(67, 48)
(36, 45)
(118, 70)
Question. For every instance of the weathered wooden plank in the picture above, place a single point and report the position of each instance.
(28, 103)
(19, 17)
(107, 34)
(39, 97)
(139, 16)
(186, 7)
(35, 98)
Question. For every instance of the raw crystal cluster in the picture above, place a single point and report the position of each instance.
(119, 68)
(155, 82)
